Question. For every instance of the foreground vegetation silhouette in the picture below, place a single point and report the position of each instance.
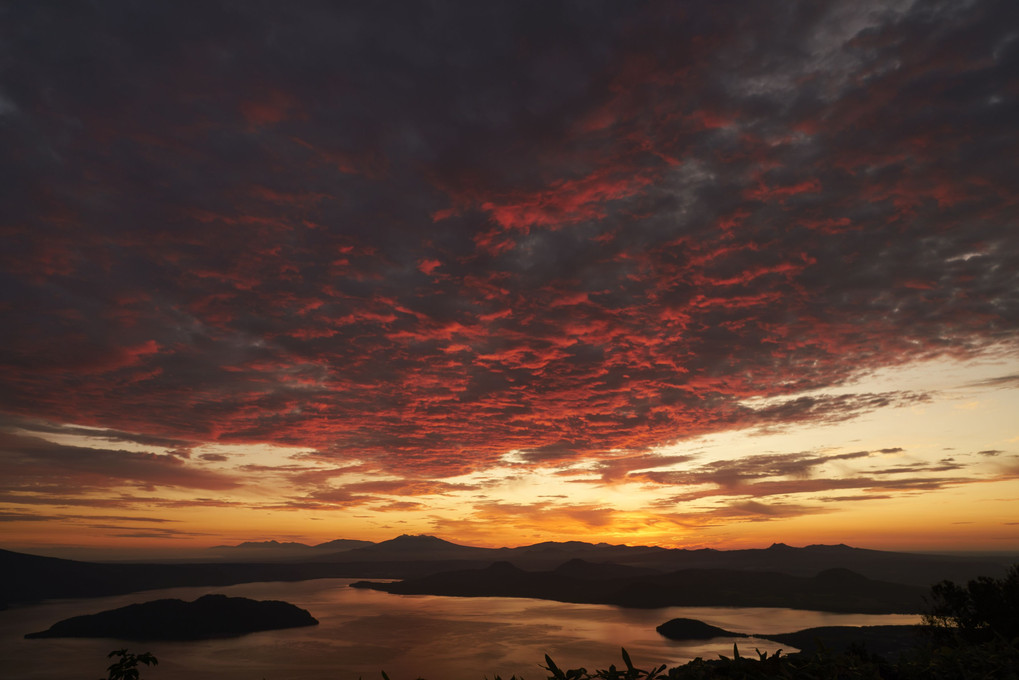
(971, 632)
(126, 667)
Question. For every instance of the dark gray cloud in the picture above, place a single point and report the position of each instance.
(736, 474)
(780, 475)
(41, 468)
(423, 239)
(756, 511)
(1006, 381)
(6, 516)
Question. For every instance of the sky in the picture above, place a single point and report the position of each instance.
(685, 274)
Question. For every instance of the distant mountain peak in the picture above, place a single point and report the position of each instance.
(269, 544)
(419, 538)
(562, 546)
(416, 541)
(575, 562)
(814, 547)
(503, 567)
(343, 544)
(272, 548)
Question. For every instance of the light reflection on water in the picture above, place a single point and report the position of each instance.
(361, 632)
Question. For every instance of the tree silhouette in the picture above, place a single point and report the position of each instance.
(985, 609)
(127, 667)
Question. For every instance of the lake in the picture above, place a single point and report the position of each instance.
(362, 631)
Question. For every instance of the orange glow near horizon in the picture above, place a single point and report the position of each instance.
(729, 490)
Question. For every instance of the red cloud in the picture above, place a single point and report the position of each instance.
(269, 108)
(763, 192)
(598, 246)
(564, 202)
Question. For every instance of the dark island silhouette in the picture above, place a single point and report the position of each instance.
(692, 629)
(210, 616)
(832, 590)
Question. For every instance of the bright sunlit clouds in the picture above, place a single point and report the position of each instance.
(942, 467)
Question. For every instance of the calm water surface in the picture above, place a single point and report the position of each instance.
(361, 632)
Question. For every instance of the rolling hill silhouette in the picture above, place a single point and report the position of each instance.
(835, 590)
(210, 616)
(31, 577)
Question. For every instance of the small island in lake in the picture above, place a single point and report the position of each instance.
(210, 616)
(692, 629)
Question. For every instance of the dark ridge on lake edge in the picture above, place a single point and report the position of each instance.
(32, 578)
(883, 640)
(834, 590)
(210, 616)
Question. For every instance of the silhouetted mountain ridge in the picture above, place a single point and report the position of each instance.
(273, 550)
(579, 568)
(798, 561)
(268, 544)
(30, 577)
(912, 568)
(342, 544)
(412, 543)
